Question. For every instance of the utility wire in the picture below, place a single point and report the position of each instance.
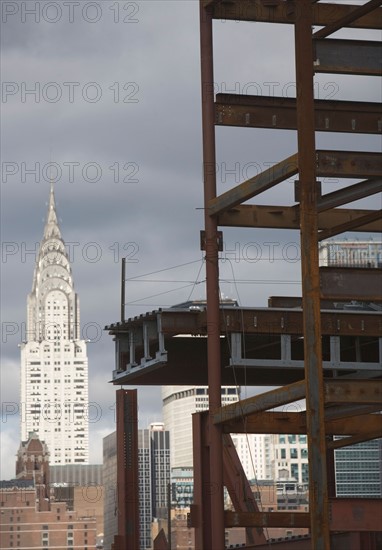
(161, 270)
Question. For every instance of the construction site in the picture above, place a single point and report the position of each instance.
(323, 348)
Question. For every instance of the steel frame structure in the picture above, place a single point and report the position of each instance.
(313, 52)
(342, 395)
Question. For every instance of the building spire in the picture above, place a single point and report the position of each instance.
(51, 225)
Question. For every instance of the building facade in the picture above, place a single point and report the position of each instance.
(290, 457)
(350, 253)
(179, 403)
(154, 479)
(109, 476)
(54, 364)
(31, 517)
(255, 454)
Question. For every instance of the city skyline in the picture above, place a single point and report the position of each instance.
(120, 164)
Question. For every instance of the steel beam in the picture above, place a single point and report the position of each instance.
(259, 403)
(357, 12)
(274, 422)
(349, 410)
(361, 57)
(352, 514)
(239, 489)
(353, 391)
(267, 519)
(215, 497)
(287, 217)
(345, 515)
(349, 164)
(354, 439)
(351, 283)
(318, 490)
(127, 468)
(280, 113)
(281, 320)
(334, 164)
(281, 12)
(351, 225)
(201, 509)
(254, 186)
(349, 194)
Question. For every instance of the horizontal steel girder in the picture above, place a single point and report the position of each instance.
(353, 391)
(287, 217)
(282, 12)
(335, 391)
(280, 113)
(345, 515)
(361, 57)
(267, 519)
(333, 164)
(351, 283)
(280, 422)
(258, 321)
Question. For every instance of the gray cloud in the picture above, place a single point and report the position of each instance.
(161, 134)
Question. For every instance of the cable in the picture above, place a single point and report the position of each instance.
(161, 293)
(161, 270)
(196, 281)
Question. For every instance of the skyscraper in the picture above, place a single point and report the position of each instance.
(153, 476)
(179, 403)
(54, 365)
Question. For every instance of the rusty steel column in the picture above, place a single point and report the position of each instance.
(127, 469)
(216, 492)
(318, 492)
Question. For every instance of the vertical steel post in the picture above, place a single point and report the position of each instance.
(216, 493)
(318, 492)
(127, 469)
(201, 509)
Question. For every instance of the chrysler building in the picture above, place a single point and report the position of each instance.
(54, 365)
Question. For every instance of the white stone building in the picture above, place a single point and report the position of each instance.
(179, 403)
(256, 453)
(54, 364)
(290, 455)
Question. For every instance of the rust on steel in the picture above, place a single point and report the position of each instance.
(201, 508)
(127, 468)
(349, 194)
(318, 490)
(254, 186)
(239, 489)
(295, 423)
(268, 400)
(347, 19)
(355, 391)
(216, 497)
(287, 217)
(348, 57)
(353, 514)
(281, 12)
(351, 225)
(349, 164)
(280, 113)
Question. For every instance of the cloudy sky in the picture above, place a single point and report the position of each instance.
(104, 98)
